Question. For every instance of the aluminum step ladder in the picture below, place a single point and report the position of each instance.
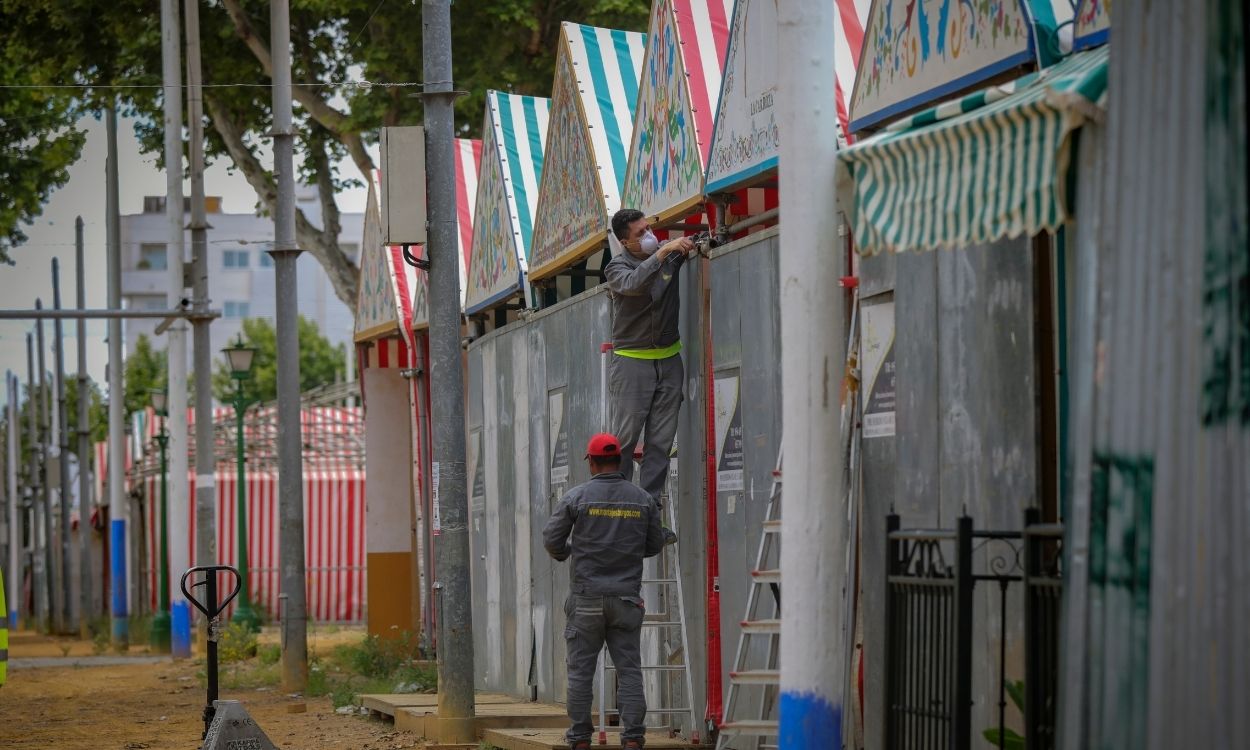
(667, 681)
(755, 673)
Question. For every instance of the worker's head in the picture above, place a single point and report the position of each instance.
(603, 454)
(631, 229)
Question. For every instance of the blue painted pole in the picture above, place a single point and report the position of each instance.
(119, 510)
(814, 675)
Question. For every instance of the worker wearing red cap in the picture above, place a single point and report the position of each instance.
(614, 525)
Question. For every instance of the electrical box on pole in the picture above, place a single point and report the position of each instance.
(403, 185)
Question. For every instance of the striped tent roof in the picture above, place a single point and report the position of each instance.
(513, 134)
(592, 119)
(415, 285)
(681, 75)
(991, 165)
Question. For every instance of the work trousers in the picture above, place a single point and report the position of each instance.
(593, 621)
(645, 394)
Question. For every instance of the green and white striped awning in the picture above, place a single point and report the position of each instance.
(990, 165)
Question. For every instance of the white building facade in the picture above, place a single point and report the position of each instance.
(240, 270)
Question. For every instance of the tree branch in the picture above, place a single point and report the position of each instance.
(328, 117)
(344, 276)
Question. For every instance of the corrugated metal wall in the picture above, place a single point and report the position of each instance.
(1158, 615)
(967, 434)
(534, 401)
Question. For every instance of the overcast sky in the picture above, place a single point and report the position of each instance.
(52, 236)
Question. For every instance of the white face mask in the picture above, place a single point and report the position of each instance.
(648, 243)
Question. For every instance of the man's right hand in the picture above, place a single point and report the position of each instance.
(682, 245)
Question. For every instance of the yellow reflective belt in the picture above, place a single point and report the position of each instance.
(663, 353)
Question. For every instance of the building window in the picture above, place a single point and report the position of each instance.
(235, 309)
(235, 259)
(150, 303)
(266, 260)
(152, 256)
(350, 249)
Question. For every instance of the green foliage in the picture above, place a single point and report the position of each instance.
(269, 653)
(319, 362)
(146, 369)
(140, 629)
(1009, 739)
(235, 643)
(97, 411)
(508, 45)
(38, 143)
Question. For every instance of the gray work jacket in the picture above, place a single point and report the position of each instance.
(645, 300)
(615, 524)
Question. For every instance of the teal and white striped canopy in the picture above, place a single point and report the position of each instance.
(990, 165)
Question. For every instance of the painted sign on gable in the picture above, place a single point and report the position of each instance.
(676, 106)
(918, 51)
(377, 308)
(1093, 24)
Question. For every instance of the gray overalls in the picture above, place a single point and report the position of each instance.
(614, 525)
(645, 393)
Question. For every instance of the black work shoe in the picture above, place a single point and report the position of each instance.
(670, 537)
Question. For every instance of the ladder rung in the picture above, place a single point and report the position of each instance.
(756, 677)
(767, 576)
(755, 727)
(773, 526)
(650, 710)
(660, 623)
(761, 626)
(659, 581)
(655, 667)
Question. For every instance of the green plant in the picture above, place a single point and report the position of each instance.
(100, 642)
(140, 629)
(269, 654)
(1009, 739)
(235, 643)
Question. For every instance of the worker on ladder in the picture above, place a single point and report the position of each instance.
(645, 370)
(614, 525)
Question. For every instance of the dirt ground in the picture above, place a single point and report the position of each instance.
(139, 704)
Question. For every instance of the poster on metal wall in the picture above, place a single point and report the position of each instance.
(559, 441)
(437, 524)
(877, 363)
(729, 449)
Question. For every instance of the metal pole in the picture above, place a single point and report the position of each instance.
(119, 511)
(243, 614)
(814, 533)
(455, 613)
(62, 430)
(201, 341)
(45, 498)
(162, 624)
(15, 508)
(84, 449)
(33, 399)
(290, 449)
(179, 466)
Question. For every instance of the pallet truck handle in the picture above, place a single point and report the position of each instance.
(210, 569)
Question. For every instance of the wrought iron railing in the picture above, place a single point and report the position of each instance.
(929, 618)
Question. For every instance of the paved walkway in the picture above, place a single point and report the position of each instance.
(39, 662)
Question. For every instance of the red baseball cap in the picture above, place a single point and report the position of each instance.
(603, 445)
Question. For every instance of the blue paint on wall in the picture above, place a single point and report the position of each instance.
(809, 721)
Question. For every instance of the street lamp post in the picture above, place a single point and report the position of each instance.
(239, 356)
(160, 638)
